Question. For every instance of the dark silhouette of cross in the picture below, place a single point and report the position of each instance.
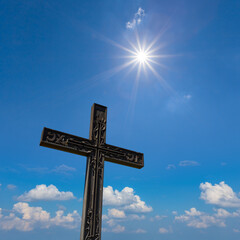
(97, 151)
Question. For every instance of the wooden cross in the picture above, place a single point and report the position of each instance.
(97, 151)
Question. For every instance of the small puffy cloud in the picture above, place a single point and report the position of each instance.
(111, 222)
(117, 198)
(197, 219)
(170, 166)
(219, 194)
(118, 229)
(13, 222)
(236, 230)
(31, 213)
(138, 206)
(26, 218)
(188, 163)
(140, 231)
(222, 213)
(138, 16)
(11, 186)
(105, 217)
(43, 192)
(114, 227)
(126, 199)
(163, 230)
(115, 213)
(64, 169)
(70, 221)
(174, 212)
(127, 207)
(157, 217)
(136, 217)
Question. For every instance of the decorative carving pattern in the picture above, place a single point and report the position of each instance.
(89, 221)
(99, 127)
(66, 142)
(122, 156)
(57, 138)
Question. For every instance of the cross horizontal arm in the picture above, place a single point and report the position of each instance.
(122, 156)
(66, 142)
(82, 146)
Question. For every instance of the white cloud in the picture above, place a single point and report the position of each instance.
(126, 199)
(64, 169)
(219, 194)
(13, 222)
(70, 221)
(111, 222)
(115, 213)
(11, 186)
(117, 198)
(138, 16)
(163, 230)
(127, 208)
(26, 218)
(170, 166)
(197, 219)
(139, 230)
(104, 217)
(31, 213)
(157, 217)
(118, 229)
(138, 206)
(136, 217)
(42, 192)
(222, 213)
(188, 163)
(114, 227)
(236, 230)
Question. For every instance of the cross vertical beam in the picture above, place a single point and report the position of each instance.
(93, 192)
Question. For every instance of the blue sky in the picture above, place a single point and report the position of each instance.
(59, 57)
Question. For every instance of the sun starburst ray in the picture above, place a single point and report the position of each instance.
(157, 63)
(161, 79)
(141, 55)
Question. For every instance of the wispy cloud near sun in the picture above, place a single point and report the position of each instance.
(138, 16)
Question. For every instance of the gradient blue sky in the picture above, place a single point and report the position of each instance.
(59, 57)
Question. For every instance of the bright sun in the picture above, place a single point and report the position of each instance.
(142, 56)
